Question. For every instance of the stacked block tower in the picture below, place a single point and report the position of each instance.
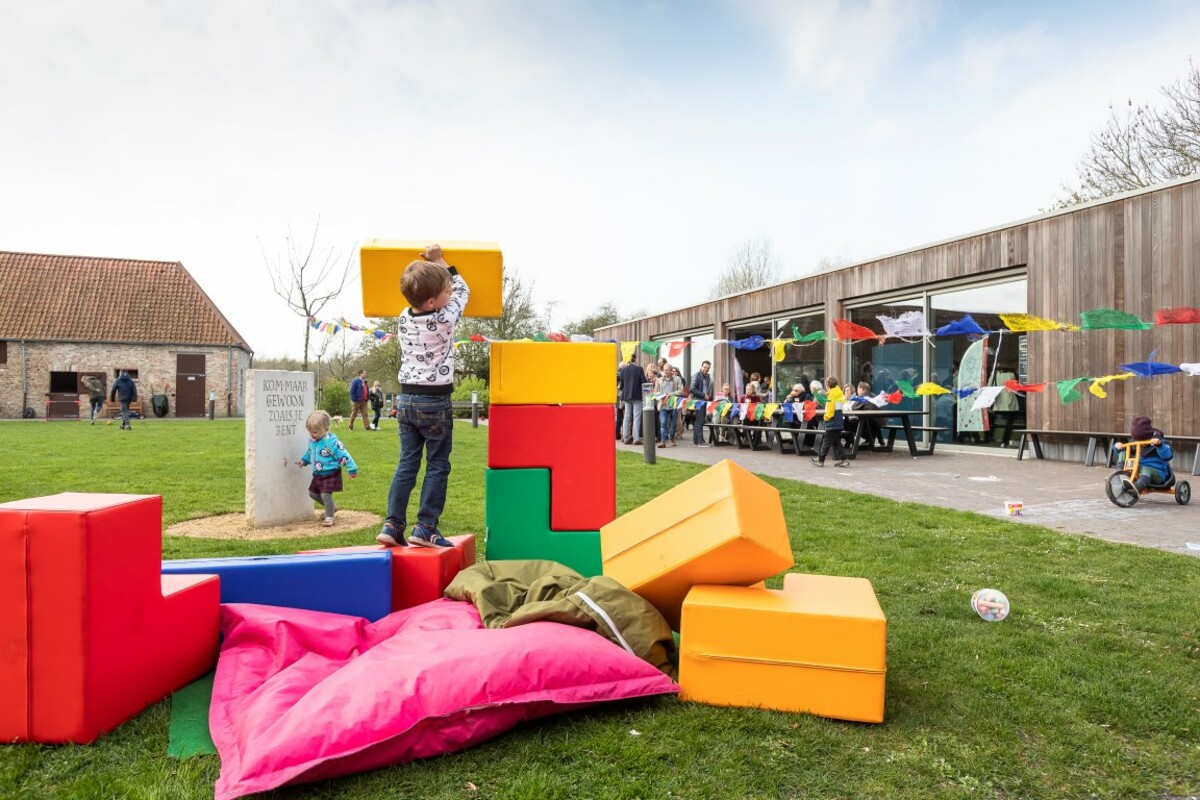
(551, 478)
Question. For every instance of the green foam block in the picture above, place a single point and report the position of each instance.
(518, 523)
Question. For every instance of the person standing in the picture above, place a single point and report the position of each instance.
(437, 295)
(702, 390)
(358, 399)
(668, 386)
(629, 388)
(124, 390)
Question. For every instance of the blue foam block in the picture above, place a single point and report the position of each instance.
(359, 584)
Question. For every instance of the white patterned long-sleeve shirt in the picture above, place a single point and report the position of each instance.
(427, 343)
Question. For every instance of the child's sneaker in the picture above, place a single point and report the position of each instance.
(842, 463)
(390, 536)
(328, 523)
(423, 537)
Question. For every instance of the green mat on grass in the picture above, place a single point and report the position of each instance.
(189, 720)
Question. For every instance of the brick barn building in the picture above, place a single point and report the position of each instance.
(64, 318)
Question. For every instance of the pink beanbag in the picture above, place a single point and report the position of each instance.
(305, 695)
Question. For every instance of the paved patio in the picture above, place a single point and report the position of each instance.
(1065, 496)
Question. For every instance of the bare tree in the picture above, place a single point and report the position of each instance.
(306, 279)
(751, 265)
(1140, 146)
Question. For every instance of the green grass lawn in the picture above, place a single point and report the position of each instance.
(1091, 688)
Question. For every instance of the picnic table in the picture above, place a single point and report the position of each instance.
(905, 426)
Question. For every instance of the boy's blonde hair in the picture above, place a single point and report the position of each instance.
(831, 382)
(318, 422)
(422, 281)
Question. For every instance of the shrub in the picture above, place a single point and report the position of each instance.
(462, 394)
(336, 397)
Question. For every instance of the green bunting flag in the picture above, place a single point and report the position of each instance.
(650, 348)
(1067, 391)
(1102, 318)
(907, 388)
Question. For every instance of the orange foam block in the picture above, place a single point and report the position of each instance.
(382, 262)
(818, 646)
(419, 574)
(103, 633)
(575, 443)
(552, 373)
(724, 526)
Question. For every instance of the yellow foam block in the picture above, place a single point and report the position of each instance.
(553, 373)
(724, 526)
(818, 646)
(383, 261)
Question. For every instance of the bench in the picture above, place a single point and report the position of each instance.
(791, 440)
(1094, 439)
(112, 408)
(1112, 457)
(747, 437)
(930, 443)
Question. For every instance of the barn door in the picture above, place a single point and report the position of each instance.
(190, 394)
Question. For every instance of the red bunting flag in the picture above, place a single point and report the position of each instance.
(477, 337)
(1177, 316)
(810, 410)
(675, 348)
(557, 337)
(1013, 386)
(849, 331)
(895, 397)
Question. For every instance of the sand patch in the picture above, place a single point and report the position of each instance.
(235, 526)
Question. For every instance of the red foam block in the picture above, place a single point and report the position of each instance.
(575, 442)
(106, 636)
(419, 574)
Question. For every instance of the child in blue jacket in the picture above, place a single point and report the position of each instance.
(1154, 468)
(327, 455)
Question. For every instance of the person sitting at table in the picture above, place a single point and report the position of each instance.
(868, 428)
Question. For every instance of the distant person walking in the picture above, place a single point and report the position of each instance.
(95, 395)
(358, 399)
(124, 390)
(376, 397)
(629, 383)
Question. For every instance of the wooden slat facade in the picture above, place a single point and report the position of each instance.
(1138, 252)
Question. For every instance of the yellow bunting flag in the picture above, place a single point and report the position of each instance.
(1097, 387)
(931, 388)
(627, 350)
(769, 410)
(1028, 322)
(778, 344)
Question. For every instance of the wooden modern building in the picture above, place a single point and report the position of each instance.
(1137, 252)
(67, 320)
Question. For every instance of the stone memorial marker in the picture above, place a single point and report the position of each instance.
(277, 404)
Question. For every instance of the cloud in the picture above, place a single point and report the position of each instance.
(844, 45)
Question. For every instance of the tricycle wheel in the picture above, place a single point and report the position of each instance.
(1120, 490)
(1183, 493)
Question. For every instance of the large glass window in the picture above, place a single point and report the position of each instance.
(804, 363)
(882, 365)
(699, 351)
(995, 361)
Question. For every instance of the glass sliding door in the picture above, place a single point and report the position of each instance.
(996, 361)
(803, 363)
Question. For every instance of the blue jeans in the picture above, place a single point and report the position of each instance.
(666, 424)
(698, 423)
(426, 422)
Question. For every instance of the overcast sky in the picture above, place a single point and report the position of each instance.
(617, 151)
